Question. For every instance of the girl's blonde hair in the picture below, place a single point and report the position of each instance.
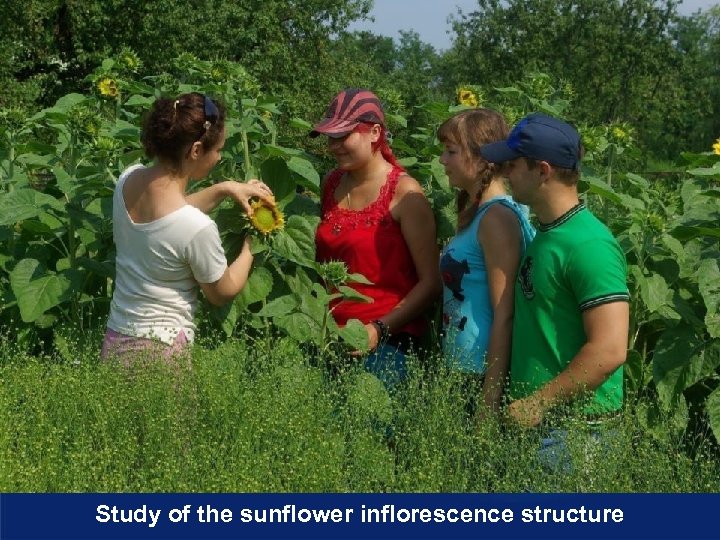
(471, 129)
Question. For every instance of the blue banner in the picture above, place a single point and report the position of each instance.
(348, 516)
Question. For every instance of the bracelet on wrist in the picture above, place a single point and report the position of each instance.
(383, 329)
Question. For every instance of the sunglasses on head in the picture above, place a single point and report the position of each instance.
(211, 112)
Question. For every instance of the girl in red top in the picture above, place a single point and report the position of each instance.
(376, 219)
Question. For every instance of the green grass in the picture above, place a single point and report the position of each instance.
(262, 417)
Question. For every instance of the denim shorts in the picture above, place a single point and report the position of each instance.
(388, 362)
(556, 456)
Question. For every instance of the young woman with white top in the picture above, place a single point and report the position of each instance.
(167, 246)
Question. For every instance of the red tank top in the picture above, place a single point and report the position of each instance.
(369, 242)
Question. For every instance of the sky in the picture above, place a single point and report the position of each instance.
(429, 17)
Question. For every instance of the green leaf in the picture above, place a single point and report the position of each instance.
(438, 172)
(68, 101)
(305, 169)
(230, 319)
(36, 227)
(123, 130)
(634, 370)
(699, 210)
(655, 292)
(280, 151)
(408, 161)
(355, 335)
(275, 173)
(675, 247)
(300, 327)
(304, 205)
(396, 119)
(299, 282)
(105, 269)
(681, 360)
(299, 123)
(36, 160)
(712, 407)
(136, 100)
(671, 362)
(638, 180)
(708, 278)
(257, 288)
(227, 315)
(706, 171)
(24, 204)
(358, 278)
(316, 307)
(36, 289)
(685, 233)
(599, 187)
(351, 294)
(296, 242)
(656, 421)
(62, 347)
(279, 307)
(65, 182)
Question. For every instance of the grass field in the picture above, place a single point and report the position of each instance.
(261, 417)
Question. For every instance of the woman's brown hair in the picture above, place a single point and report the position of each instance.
(471, 129)
(173, 125)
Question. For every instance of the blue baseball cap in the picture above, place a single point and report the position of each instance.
(541, 137)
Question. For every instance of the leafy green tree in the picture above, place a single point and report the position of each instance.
(628, 60)
(698, 39)
(286, 44)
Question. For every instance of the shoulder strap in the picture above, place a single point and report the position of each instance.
(521, 213)
(387, 192)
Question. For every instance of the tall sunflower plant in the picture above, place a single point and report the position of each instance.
(288, 291)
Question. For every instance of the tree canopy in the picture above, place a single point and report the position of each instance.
(627, 60)
(635, 61)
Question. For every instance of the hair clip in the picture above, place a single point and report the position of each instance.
(207, 125)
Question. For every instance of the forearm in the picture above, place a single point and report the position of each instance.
(590, 367)
(497, 360)
(232, 281)
(239, 270)
(206, 200)
(419, 299)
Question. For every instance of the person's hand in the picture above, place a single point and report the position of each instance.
(247, 244)
(242, 192)
(527, 412)
(373, 340)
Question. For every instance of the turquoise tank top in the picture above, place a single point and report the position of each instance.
(467, 314)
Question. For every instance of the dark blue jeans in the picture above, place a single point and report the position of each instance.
(388, 363)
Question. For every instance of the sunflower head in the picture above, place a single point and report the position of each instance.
(108, 87)
(716, 147)
(129, 60)
(334, 273)
(266, 217)
(105, 144)
(467, 96)
(620, 133)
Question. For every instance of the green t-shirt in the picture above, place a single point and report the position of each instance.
(572, 265)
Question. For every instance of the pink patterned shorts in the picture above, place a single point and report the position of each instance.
(128, 349)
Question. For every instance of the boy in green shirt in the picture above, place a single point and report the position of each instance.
(570, 327)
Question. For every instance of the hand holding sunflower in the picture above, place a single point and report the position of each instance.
(243, 192)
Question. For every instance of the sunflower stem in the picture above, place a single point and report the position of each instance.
(249, 171)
